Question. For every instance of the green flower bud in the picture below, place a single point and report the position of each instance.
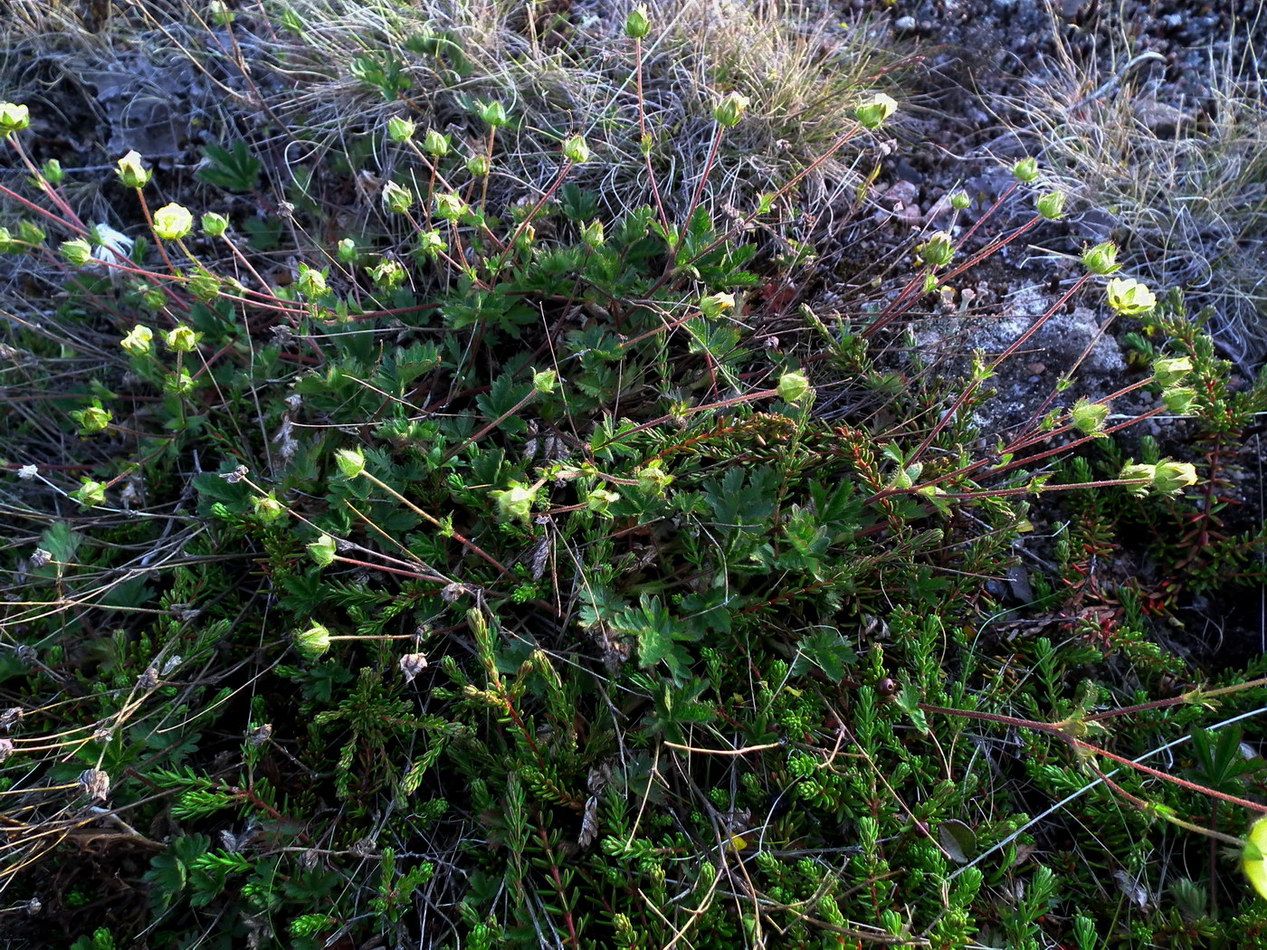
(182, 339)
(1052, 205)
(1088, 417)
(545, 381)
(652, 478)
(592, 233)
(494, 113)
(323, 550)
(931, 283)
(430, 244)
(730, 110)
(576, 150)
(515, 503)
(172, 222)
(90, 493)
(204, 285)
(346, 251)
(1173, 477)
(31, 233)
(1129, 297)
(1026, 170)
(1135, 471)
(152, 297)
(793, 387)
(52, 172)
(449, 207)
(311, 282)
(1180, 400)
(959, 200)
(397, 199)
(599, 500)
(350, 461)
(139, 341)
(1101, 259)
(1171, 370)
(131, 172)
(180, 382)
(478, 166)
(214, 224)
(13, 117)
(93, 419)
(77, 252)
(400, 129)
(433, 143)
(714, 305)
(938, 250)
(313, 642)
(7, 244)
(873, 113)
(637, 24)
(268, 508)
(388, 274)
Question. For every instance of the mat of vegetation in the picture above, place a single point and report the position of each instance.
(477, 476)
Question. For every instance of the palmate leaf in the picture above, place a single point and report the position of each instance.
(658, 634)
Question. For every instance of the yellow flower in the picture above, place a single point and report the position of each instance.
(172, 222)
(1252, 856)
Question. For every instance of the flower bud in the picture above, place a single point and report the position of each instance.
(1173, 477)
(576, 150)
(545, 381)
(1101, 259)
(388, 274)
(1180, 400)
(1136, 471)
(873, 113)
(730, 110)
(600, 500)
(204, 285)
(430, 244)
(139, 341)
(92, 419)
(13, 117)
(131, 172)
(346, 251)
(350, 461)
(90, 493)
(396, 198)
(515, 503)
(652, 478)
(77, 252)
(960, 200)
(7, 244)
(1129, 297)
(1052, 205)
(268, 508)
(592, 234)
(30, 233)
(311, 282)
(714, 305)
(1026, 170)
(313, 642)
(214, 224)
(1088, 417)
(433, 143)
(323, 550)
(494, 113)
(182, 339)
(793, 387)
(1171, 370)
(449, 207)
(478, 166)
(400, 129)
(172, 222)
(938, 250)
(637, 24)
(51, 171)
